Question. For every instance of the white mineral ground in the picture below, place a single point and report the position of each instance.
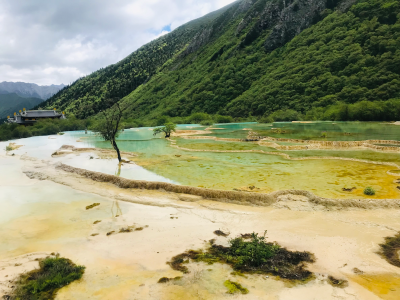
(38, 217)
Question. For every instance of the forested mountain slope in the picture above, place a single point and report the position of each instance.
(248, 63)
(86, 96)
(10, 103)
(324, 58)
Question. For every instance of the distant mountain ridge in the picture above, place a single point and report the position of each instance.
(30, 90)
(10, 103)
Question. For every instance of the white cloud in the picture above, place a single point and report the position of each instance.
(53, 42)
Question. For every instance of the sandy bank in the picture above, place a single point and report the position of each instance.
(128, 265)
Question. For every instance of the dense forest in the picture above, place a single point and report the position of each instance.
(317, 59)
(10, 103)
(43, 127)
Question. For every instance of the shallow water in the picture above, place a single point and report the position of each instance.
(335, 131)
(203, 162)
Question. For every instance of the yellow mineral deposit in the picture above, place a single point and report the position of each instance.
(297, 197)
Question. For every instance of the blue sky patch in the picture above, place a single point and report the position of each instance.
(166, 28)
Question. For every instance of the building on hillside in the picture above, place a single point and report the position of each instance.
(31, 116)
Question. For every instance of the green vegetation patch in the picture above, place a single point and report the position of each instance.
(369, 191)
(92, 206)
(42, 127)
(166, 279)
(43, 283)
(342, 283)
(234, 287)
(390, 250)
(252, 256)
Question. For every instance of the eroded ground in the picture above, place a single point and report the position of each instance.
(50, 215)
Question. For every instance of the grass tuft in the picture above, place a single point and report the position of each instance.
(220, 233)
(390, 250)
(43, 283)
(369, 191)
(92, 206)
(234, 287)
(342, 283)
(253, 256)
(166, 279)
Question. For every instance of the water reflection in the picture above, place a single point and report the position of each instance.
(116, 210)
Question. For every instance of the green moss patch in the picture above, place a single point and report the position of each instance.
(369, 191)
(342, 283)
(220, 233)
(43, 283)
(166, 279)
(92, 206)
(252, 256)
(390, 250)
(234, 287)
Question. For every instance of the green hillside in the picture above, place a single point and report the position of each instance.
(324, 59)
(86, 96)
(10, 103)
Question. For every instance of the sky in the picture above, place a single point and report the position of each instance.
(57, 41)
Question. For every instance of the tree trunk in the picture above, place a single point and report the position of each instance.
(167, 135)
(114, 144)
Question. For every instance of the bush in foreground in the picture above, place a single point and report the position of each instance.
(250, 256)
(369, 191)
(43, 283)
(390, 250)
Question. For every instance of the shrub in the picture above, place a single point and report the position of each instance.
(266, 119)
(168, 128)
(369, 191)
(162, 120)
(286, 115)
(198, 117)
(54, 273)
(251, 256)
(207, 122)
(223, 119)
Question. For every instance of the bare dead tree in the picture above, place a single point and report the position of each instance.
(111, 126)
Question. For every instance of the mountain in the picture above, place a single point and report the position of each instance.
(30, 89)
(85, 97)
(322, 58)
(10, 103)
